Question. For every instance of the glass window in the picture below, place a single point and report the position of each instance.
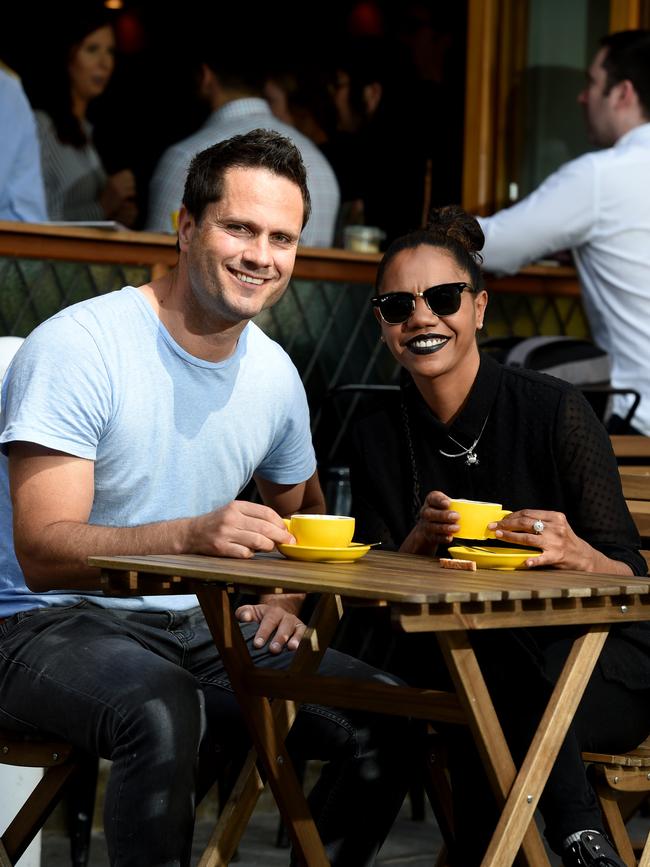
(545, 122)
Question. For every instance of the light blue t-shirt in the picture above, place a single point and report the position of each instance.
(171, 435)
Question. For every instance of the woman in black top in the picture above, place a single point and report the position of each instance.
(466, 427)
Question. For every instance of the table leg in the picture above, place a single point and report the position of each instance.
(541, 755)
(523, 792)
(269, 726)
(488, 734)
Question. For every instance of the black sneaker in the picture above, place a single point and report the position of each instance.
(591, 850)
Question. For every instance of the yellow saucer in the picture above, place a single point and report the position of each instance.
(354, 551)
(504, 559)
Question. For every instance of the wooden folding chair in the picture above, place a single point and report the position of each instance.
(613, 775)
(60, 761)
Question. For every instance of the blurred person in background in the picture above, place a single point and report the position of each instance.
(598, 205)
(377, 149)
(77, 186)
(231, 84)
(21, 182)
(298, 96)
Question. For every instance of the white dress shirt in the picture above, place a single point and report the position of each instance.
(599, 206)
(234, 118)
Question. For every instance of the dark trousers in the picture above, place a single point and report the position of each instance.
(521, 667)
(147, 690)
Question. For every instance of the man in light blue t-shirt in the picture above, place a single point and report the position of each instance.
(130, 424)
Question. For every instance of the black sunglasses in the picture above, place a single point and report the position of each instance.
(443, 300)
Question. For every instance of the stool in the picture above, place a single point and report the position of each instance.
(614, 774)
(59, 760)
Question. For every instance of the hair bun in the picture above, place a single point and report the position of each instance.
(454, 223)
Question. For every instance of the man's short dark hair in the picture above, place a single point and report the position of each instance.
(628, 59)
(257, 149)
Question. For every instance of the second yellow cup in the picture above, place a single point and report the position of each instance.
(475, 516)
(321, 531)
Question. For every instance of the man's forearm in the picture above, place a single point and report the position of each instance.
(59, 557)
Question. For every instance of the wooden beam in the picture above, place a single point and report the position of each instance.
(480, 105)
(624, 15)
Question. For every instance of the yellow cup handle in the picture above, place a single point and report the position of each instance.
(502, 514)
(287, 523)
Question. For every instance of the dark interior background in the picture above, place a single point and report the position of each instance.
(151, 101)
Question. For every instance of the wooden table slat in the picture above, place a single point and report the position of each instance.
(399, 578)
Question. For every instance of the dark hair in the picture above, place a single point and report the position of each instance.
(51, 91)
(257, 149)
(223, 56)
(451, 229)
(628, 59)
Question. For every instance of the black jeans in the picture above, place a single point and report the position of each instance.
(521, 668)
(147, 690)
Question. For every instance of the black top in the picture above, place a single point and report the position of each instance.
(542, 447)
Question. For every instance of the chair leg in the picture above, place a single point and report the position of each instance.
(438, 790)
(615, 825)
(34, 812)
(282, 840)
(80, 806)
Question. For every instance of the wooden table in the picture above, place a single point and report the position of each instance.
(423, 597)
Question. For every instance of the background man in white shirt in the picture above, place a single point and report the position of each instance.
(599, 206)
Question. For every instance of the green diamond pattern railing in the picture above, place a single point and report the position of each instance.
(327, 328)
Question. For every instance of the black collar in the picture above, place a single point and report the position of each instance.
(469, 422)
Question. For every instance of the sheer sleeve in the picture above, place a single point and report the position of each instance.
(596, 506)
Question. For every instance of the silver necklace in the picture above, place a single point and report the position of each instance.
(471, 459)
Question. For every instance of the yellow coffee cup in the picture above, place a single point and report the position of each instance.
(321, 531)
(475, 515)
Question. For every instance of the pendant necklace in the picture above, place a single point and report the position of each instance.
(471, 458)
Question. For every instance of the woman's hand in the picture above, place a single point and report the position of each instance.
(435, 526)
(551, 532)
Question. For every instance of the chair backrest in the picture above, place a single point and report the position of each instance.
(573, 359)
(636, 489)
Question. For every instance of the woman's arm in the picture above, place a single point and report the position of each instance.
(595, 532)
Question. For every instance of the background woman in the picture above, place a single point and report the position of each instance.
(466, 427)
(76, 184)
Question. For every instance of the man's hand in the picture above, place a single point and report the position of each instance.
(277, 620)
(237, 530)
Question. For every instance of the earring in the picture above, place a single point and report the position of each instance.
(382, 338)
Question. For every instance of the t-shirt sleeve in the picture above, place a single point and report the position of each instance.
(57, 392)
(290, 458)
(599, 514)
